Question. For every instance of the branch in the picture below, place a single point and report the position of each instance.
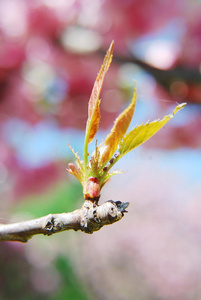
(88, 219)
(190, 75)
(164, 77)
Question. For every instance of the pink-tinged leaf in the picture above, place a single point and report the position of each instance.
(118, 131)
(75, 171)
(94, 101)
(78, 161)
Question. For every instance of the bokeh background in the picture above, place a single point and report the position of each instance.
(50, 53)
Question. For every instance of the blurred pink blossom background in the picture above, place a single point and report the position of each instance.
(50, 53)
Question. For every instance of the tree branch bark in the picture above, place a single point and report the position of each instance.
(187, 74)
(91, 217)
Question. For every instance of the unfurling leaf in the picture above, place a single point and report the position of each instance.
(75, 171)
(118, 131)
(78, 161)
(143, 132)
(94, 101)
(93, 173)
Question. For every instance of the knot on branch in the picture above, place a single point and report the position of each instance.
(94, 217)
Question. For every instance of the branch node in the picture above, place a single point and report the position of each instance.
(49, 226)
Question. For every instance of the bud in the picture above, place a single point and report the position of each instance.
(111, 160)
(92, 189)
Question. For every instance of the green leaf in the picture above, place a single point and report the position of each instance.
(143, 132)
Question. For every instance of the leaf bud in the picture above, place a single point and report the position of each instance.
(92, 189)
(111, 160)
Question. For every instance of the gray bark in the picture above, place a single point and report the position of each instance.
(91, 217)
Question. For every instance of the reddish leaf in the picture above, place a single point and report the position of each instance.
(94, 101)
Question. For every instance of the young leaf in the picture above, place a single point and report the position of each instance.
(94, 101)
(78, 161)
(142, 133)
(75, 171)
(93, 174)
(118, 131)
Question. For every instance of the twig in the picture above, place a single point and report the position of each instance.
(189, 75)
(88, 219)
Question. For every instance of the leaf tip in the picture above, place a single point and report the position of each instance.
(178, 107)
(134, 98)
(135, 84)
(111, 48)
